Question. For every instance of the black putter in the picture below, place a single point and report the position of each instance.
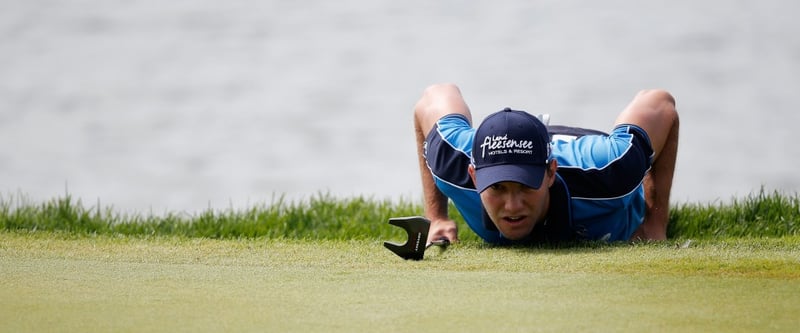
(417, 229)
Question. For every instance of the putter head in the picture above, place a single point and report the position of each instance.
(417, 229)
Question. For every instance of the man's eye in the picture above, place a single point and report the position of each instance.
(495, 187)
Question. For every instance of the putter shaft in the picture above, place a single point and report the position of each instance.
(442, 242)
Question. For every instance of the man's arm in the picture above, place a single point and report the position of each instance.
(436, 204)
(436, 102)
(655, 112)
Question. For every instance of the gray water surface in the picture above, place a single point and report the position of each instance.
(156, 106)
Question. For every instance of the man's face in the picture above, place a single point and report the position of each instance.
(515, 208)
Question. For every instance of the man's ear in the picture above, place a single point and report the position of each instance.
(552, 166)
(471, 171)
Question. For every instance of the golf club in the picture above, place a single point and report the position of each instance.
(417, 229)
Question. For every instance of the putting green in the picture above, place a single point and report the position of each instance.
(59, 283)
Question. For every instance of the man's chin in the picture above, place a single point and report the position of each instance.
(515, 232)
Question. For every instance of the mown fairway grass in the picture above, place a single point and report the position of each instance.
(68, 268)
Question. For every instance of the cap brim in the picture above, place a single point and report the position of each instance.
(530, 175)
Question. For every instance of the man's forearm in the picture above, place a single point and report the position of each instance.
(435, 201)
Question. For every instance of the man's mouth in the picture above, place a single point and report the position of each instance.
(514, 219)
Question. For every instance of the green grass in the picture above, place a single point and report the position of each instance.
(320, 217)
(757, 215)
(324, 217)
(318, 265)
(62, 282)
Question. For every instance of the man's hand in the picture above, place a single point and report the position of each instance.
(443, 228)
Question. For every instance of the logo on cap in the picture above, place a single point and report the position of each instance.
(510, 145)
(503, 145)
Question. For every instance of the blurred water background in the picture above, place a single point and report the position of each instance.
(151, 106)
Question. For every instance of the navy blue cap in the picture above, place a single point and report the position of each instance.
(510, 145)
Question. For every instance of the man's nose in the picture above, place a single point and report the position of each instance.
(514, 201)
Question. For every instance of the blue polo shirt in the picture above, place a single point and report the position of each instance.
(597, 195)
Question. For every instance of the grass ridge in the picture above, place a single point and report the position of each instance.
(760, 214)
(323, 216)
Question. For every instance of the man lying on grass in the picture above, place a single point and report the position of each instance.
(515, 182)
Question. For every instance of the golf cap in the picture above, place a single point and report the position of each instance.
(510, 145)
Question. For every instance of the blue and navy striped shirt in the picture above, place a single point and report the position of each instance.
(598, 193)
